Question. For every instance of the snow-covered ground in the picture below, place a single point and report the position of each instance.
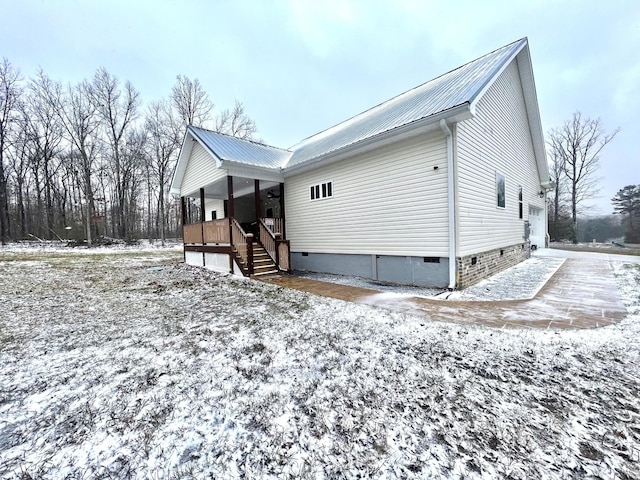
(121, 366)
(520, 282)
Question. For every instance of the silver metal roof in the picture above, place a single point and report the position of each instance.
(242, 151)
(457, 87)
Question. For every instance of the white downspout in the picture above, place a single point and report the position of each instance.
(451, 204)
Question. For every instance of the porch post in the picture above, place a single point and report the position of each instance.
(230, 210)
(256, 199)
(250, 253)
(282, 210)
(203, 215)
(230, 196)
(183, 210)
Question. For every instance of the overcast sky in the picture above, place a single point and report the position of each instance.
(302, 66)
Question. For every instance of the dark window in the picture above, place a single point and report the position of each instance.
(520, 211)
(305, 254)
(474, 260)
(500, 190)
(431, 259)
(322, 190)
(214, 214)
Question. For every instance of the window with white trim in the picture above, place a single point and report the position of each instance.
(321, 190)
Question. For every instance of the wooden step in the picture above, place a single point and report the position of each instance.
(265, 261)
(266, 266)
(262, 274)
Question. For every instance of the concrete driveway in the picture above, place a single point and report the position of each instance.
(583, 293)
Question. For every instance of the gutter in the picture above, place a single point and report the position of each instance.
(452, 204)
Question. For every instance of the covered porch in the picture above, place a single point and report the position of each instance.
(237, 224)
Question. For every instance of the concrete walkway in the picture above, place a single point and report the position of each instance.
(582, 294)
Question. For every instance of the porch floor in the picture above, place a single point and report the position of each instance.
(582, 294)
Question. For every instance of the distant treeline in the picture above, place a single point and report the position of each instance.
(89, 160)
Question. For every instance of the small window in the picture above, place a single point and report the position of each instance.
(214, 214)
(322, 190)
(431, 259)
(520, 211)
(500, 190)
(474, 260)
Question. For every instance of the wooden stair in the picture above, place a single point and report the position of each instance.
(262, 263)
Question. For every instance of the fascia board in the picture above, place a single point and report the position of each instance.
(490, 81)
(205, 146)
(238, 169)
(181, 164)
(533, 114)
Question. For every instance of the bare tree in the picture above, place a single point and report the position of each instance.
(118, 108)
(559, 216)
(164, 133)
(235, 122)
(577, 146)
(10, 91)
(79, 117)
(19, 163)
(45, 135)
(191, 102)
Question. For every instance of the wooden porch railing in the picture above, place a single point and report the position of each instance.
(277, 249)
(216, 231)
(192, 233)
(229, 231)
(274, 224)
(243, 242)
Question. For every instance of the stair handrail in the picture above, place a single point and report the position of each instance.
(269, 240)
(243, 243)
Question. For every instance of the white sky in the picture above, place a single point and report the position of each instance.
(301, 66)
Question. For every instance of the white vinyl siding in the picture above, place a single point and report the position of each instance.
(201, 171)
(498, 139)
(389, 201)
(214, 205)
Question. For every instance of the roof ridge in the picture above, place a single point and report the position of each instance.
(255, 142)
(406, 92)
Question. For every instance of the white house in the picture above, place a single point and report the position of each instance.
(440, 186)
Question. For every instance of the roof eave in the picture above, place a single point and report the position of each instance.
(456, 114)
(183, 158)
(181, 166)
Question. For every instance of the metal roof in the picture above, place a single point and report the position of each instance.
(452, 89)
(226, 147)
(459, 87)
